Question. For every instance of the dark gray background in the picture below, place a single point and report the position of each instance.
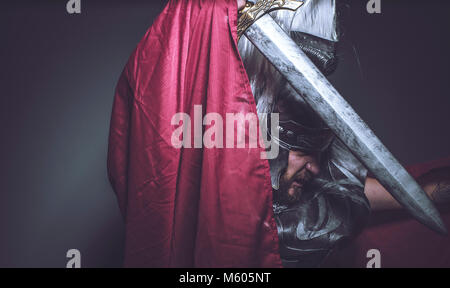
(58, 74)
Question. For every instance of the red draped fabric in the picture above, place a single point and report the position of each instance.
(188, 207)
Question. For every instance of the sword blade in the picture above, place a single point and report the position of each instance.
(273, 42)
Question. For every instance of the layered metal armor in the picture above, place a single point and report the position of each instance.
(332, 207)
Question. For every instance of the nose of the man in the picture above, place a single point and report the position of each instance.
(312, 166)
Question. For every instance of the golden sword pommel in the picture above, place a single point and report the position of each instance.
(252, 12)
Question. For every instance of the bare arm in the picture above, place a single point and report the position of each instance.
(436, 184)
(379, 198)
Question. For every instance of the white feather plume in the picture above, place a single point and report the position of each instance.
(315, 17)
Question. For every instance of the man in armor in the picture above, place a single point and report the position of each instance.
(322, 194)
(177, 213)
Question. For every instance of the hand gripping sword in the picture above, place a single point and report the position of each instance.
(287, 57)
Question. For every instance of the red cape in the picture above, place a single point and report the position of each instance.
(188, 207)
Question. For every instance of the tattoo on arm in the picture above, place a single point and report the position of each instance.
(437, 184)
(441, 194)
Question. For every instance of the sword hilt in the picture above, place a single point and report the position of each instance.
(253, 11)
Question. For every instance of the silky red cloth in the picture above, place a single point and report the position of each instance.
(188, 207)
(402, 241)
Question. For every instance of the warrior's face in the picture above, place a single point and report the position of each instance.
(302, 138)
(300, 170)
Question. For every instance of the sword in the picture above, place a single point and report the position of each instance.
(286, 56)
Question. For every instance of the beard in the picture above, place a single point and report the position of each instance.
(291, 189)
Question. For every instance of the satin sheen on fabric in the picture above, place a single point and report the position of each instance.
(188, 207)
